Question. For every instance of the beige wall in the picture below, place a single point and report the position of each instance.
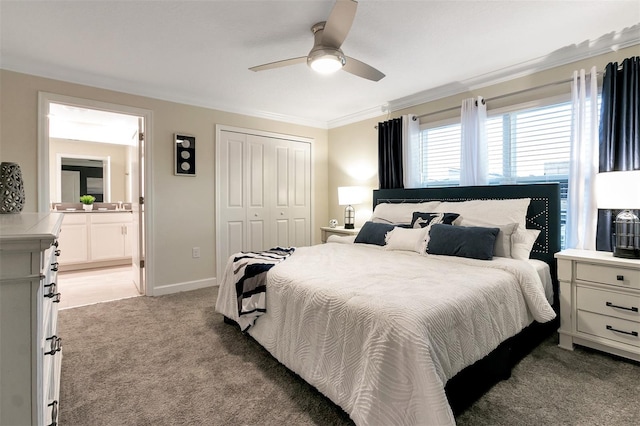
(183, 207)
(118, 160)
(358, 142)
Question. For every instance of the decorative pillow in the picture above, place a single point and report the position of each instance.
(494, 212)
(406, 239)
(522, 243)
(400, 213)
(373, 233)
(474, 242)
(420, 220)
(503, 244)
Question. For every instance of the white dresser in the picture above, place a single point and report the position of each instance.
(599, 302)
(30, 349)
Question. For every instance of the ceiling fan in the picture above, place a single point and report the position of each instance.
(325, 55)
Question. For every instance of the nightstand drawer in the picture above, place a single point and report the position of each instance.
(609, 328)
(628, 278)
(609, 303)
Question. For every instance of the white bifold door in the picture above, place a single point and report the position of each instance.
(263, 194)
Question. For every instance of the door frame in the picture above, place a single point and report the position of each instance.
(44, 205)
(224, 128)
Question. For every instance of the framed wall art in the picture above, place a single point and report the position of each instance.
(184, 155)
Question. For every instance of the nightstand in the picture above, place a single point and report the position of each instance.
(338, 230)
(599, 302)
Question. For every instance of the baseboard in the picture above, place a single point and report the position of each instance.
(186, 286)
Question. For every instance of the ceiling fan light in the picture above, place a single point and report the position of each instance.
(327, 64)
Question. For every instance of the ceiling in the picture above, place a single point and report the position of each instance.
(199, 52)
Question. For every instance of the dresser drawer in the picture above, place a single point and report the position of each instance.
(610, 303)
(611, 328)
(628, 278)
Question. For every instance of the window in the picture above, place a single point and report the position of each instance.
(440, 153)
(527, 145)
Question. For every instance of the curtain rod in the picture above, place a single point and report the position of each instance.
(542, 86)
(506, 95)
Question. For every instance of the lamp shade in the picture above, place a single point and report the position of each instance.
(618, 190)
(348, 195)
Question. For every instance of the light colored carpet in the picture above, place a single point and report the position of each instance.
(171, 360)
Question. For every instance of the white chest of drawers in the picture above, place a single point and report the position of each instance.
(30, 349)
(599, 302)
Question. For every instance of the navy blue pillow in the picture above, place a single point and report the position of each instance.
(373, 233)
(420, 219)
(474, 242)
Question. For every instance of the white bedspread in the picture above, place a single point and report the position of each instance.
(381, 332)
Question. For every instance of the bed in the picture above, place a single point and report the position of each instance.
(397, 337)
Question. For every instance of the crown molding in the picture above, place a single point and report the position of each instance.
(608, 43)
(357, 116)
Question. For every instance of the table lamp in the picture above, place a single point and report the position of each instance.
(348, 195)
(621, 191)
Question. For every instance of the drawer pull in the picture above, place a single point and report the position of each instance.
(620, 277)
(632, 309)
(57, 252)
(630, 333)
(55, 244)
(53, 288)
(56, 345)
(54, 413)
(54, 266)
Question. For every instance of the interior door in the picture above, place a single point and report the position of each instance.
(137, 207)
(70, 186)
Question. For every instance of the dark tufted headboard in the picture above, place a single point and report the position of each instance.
(543, 213)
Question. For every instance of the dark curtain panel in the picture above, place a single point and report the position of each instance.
(390, 170)
(619, 132)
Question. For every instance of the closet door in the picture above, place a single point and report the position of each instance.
(263, 194)
(292, 198)
(259, 154)
(232, 208)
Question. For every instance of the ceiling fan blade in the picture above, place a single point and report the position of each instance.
(278, 64)
(339, 23)
(361, 69)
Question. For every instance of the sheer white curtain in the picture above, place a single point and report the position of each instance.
(411, 152)
(582, 212)
(474, 155)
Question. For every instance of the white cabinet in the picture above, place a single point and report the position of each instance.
(74, 236)
(599, 302)
(110, 236)
(96, 239)
(31, 350)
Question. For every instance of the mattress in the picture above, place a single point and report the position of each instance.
(381, 332)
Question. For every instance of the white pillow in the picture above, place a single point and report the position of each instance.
(522, 243)
(407, 239)
(496, 212)
(400, 213)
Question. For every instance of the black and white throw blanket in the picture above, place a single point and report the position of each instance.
(249, 272)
